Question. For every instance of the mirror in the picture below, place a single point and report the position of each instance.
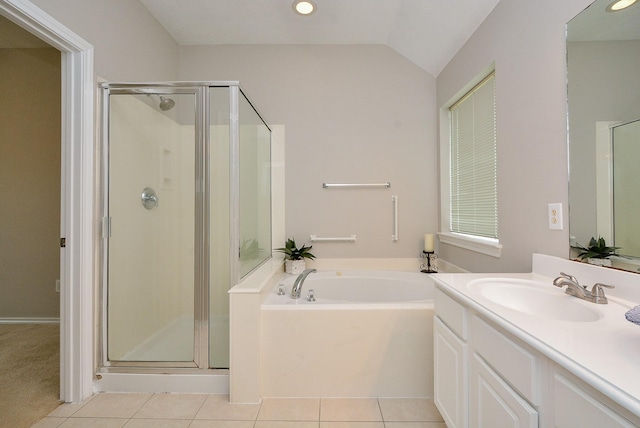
(603, 65)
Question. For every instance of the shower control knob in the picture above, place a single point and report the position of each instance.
(149, 198)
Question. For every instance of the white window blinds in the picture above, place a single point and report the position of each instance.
(473, 197)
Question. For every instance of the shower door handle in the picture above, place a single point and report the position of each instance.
(149, 198)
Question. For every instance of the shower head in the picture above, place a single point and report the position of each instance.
(166, 103)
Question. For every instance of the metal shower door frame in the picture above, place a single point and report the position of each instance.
(201, 222)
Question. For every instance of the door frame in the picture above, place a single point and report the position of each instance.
(77, 196)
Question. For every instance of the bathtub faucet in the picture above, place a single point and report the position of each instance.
(297, 285)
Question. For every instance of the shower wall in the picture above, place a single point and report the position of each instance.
(255, 188)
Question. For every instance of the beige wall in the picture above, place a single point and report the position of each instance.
(364, 113)
(30, 182)
(354, 114)
(129, 43)
(527, 42)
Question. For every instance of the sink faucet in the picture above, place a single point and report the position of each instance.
(596, 295)
(297, 285)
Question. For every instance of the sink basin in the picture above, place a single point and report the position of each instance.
(535, 298)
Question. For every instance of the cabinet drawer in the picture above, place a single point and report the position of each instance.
(452, 313)
(494, 404)
(520, 367)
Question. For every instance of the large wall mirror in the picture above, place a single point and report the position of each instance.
(603, 57)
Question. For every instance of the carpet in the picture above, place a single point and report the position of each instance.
(29, 373)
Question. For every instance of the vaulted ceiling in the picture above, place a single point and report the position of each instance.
(427, 32)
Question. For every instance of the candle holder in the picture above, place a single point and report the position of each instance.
(429, 265)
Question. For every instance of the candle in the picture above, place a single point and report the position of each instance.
(428, 242)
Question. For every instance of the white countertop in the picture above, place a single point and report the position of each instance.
(605, 352)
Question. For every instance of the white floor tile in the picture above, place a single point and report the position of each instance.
(113, 405)
(131, 410)
(289, 409)
(158, 423)
(221, 424)
(286, 424)
(217, 407)
(93, 423)
(409, 410)
(350, 409)
(171, 406)
(324, 424)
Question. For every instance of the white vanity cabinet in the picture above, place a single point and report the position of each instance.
(451, 361)
(472, 361)
(487, 377)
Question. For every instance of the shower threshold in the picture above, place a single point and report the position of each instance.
(195, 381)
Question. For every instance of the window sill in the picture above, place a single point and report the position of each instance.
(490, 247)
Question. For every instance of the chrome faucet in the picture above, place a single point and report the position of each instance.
(596, 295)
(297, 285)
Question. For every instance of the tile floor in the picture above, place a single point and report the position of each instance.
(134, 410)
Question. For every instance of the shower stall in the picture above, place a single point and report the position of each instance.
(186, 206)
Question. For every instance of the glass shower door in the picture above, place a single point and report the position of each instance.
(152, 247)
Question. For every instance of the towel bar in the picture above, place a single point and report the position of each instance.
(315, 238)
(356, 185)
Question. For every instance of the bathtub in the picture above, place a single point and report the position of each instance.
(356, 287)
(368, 334)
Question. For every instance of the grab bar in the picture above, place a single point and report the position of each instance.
(315, 238)
(394, 201)
(356, 185)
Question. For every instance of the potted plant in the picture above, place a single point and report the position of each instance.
(295, 257)
(597, 253)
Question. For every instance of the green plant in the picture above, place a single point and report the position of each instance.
(597, 249)
(292, 251)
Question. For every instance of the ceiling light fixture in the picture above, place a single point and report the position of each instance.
(619, 5)
(305, 7)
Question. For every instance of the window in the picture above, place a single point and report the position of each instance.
(472, 165)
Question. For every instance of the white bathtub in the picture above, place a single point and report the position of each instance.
(368, 334)
(356, 287)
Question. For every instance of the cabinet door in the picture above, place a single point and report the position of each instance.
(576, 407)
(494, 403)
(450, 376)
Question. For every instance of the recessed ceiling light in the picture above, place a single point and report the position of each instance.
(619, 5)
(305, 7)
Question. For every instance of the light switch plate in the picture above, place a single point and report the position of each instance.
(555, 216)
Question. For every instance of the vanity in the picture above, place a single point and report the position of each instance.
(513, 350)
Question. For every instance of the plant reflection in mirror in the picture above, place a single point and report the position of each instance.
(597, 249)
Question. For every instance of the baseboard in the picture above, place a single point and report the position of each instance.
(25, 320)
